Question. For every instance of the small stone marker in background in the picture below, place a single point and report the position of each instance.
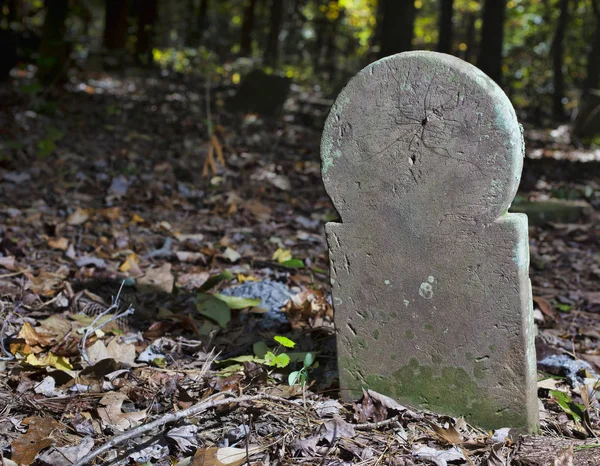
(421, 156)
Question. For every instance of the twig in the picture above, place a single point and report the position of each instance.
(93, 327)
(9, 356)
(173, 417)
(376, 425)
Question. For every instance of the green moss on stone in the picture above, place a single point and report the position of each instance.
(449, 390)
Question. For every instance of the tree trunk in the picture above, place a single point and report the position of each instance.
(201, 21)
(445, 26)
(247, 28)
(592, 80)
(147, 12)
(115, 24)
(397, 26)
(587, 123)
(330, 44)
(53, 48)
(557, 50)
(492, 37)
(470, 39)
(276, 22)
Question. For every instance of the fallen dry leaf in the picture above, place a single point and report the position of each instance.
(59, 243)
(32, 337)
(112, 416)
(160, 278)
(39, 436)
(78, 217)
(214, 456)
(564, 458)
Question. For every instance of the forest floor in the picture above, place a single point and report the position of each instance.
(102, 195)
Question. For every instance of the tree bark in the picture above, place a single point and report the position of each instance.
(587, 123)
(592, 80)
(147, 13)
(276, 22)
(557, 51)
(397, 26)
(201, 21)
(330, 44)
(115, 24)
(445, 26)
(247, 28)
(492, 39)
(53, 48)
(470, 39)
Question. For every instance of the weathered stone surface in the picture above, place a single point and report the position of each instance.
(421, 156)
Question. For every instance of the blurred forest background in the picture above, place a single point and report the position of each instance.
(545, 53)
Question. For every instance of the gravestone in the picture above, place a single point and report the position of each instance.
(421, 156)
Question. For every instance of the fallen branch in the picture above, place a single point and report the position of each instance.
(209, 403)
(376, 425)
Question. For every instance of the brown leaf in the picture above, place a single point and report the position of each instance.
(26, 447)
(215, 456)
(545, 306)
(259, 210)
(160, 278)
(32, 337)
(449, 435)
(78, 217)
(496, 458)
(8, 263)
(565, 457)
(61, 243)
(111, 413)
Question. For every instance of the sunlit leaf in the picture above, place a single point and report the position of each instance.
(284, 341)
(238, 302)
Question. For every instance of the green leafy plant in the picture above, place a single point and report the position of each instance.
(575, 410)
(301, 376)
(276, 359)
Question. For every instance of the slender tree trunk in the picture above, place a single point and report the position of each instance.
(492, 39)
(330, 45)
(247, 28)
(276, 22)
(445, 26)
(592, 80)
(397, 26)
(147, 13)
(201, 21)
(557, 51)
(470, 38)
(14, 13)
(53, 48)
(115, 24)
(587, 123)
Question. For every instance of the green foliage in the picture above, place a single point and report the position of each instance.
(47, 146)
(215, 309)
(575, 410)
(284, 341)
(237, 302)
(301, 376)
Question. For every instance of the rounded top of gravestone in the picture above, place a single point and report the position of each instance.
(422, 137)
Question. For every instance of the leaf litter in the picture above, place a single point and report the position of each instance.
(214, 269)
